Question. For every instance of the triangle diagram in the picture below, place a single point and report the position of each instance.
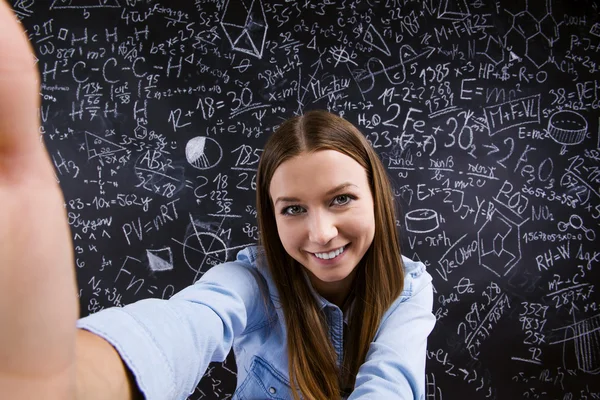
(233, 32)
(98, 146)
(160, 260)
(234, 14)
(415, 257)
(246, 27)
(374, 38)
(245, 44)
(453, 10)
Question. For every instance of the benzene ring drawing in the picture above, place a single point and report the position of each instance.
(245, 25)
(499, 244)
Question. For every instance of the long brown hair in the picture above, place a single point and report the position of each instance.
(379, 279)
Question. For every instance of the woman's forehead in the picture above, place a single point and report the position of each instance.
(315, 172)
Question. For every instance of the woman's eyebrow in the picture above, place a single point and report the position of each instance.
(329, 192)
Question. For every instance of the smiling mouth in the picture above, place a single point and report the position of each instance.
(332, 254)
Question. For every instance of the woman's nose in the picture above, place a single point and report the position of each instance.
(322, 228)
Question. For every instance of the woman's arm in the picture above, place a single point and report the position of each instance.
(100, 372)
(169, 344)
(38, 296)
(166, 344)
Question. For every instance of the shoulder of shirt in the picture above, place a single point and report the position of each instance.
(250, 256)
(416, 278)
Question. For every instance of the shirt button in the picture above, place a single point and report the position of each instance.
(272, 390)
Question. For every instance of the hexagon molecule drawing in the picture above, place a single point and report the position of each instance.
(245, 25)
(532, 32)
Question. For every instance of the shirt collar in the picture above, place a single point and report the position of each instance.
(323, 302)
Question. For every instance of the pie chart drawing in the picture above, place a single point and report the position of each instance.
(204, 249)
(203, 152)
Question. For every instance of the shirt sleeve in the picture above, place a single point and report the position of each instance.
(394, 367)
(168, 344)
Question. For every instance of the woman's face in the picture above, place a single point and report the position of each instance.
(324, 214)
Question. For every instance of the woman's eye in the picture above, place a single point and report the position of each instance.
(292, 210)
(342, 199)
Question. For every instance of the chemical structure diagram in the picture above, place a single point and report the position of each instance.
(533, 31)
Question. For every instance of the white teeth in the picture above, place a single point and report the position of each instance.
(331, 254)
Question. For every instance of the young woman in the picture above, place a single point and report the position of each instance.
(325, 307)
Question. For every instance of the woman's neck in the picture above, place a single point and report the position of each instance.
(334, 292)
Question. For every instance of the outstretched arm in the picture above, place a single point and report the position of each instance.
(100, 372)
(38, 303)
(41, 353)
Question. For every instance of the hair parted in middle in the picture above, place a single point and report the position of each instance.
(312, 360)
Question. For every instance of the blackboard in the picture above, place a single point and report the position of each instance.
(485, 113)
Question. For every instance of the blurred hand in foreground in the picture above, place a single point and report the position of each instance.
(38, 302)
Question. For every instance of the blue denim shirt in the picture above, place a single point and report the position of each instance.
(168, 344)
